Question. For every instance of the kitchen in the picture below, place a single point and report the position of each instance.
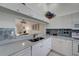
(29, 29)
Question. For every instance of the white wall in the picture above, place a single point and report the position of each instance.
(8, 19)
(66, 21)
(75, 19)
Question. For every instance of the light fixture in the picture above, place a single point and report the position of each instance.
(49, 15)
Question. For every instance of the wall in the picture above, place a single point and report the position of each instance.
(66, 21)
(8, 19)
(75, 19)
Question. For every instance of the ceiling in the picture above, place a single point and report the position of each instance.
(65, 9)
(60, 9)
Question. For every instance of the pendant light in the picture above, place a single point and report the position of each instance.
(49, 15)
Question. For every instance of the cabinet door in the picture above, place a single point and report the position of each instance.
(37, 50)
(66, 47)
(42, 48)
(76, 47)
(25, 52)
(47, 46)
(56, 44)
(62, 46)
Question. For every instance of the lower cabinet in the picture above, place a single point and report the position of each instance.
(25, 52)
(76, 47)
(62, 46)
(42, 48)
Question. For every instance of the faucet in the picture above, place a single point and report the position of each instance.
(34, 36)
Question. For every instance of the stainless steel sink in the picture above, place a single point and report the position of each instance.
(36, 39)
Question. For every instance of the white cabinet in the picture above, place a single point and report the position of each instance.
(67, 47)
(42, 48)
(25, 52)
(56, 44)
(47, 46)
(60, 22)
(76, 47)
(37, 50)
(62, 46)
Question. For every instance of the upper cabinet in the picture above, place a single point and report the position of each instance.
(75, 20)
(60, 22)
(31, 10)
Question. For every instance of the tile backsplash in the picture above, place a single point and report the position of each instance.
(59, 32)
(7, 33)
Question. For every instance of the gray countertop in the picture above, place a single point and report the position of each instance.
(14, 45)
(9, 47)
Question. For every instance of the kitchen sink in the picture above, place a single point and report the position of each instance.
(36, 39)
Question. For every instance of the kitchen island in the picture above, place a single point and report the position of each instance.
(19, 47)
(66, 46)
